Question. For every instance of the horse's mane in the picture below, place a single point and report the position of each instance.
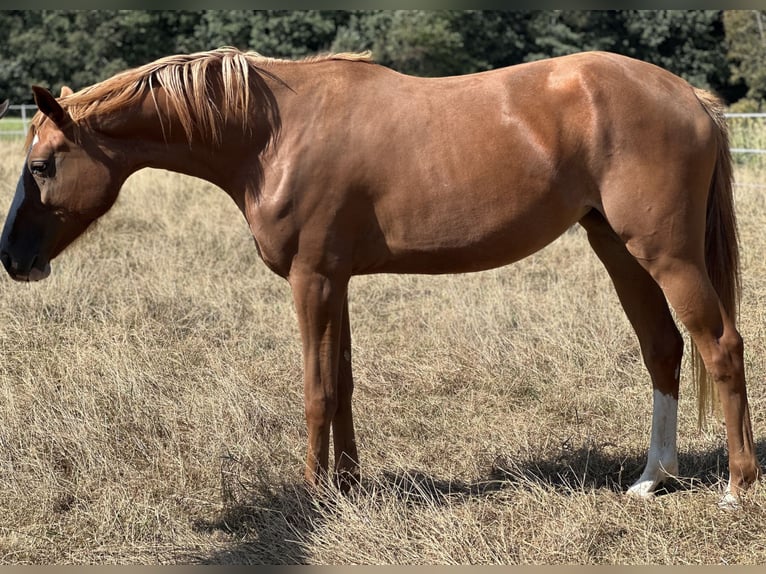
(190, 81)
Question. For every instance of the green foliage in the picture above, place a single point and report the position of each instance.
(81, 47)
(746, 42)
(293, 34)
(225, 28)
(747, 106)
(413, 41)
(495, 38)
(687, 43)
(437, 43)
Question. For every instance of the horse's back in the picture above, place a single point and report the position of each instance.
(470, 172)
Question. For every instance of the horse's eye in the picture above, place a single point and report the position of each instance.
(39, 167)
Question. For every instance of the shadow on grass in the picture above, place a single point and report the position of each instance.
(267, 524)
(262, 520)
(586, 468)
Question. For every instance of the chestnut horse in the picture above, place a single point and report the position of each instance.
(341, 167)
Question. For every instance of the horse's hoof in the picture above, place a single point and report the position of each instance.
(642, 489)
(729, 501)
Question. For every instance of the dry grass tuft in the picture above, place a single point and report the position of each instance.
(152, 407)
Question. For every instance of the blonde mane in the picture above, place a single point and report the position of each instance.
(204, 90)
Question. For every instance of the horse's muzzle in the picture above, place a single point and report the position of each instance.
(19, 271)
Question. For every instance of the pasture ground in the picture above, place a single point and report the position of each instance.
(152, 407)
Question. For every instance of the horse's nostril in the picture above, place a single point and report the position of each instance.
(10, 263)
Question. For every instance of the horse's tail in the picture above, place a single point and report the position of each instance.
(721, 246)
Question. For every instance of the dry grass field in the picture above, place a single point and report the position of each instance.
(152, 407)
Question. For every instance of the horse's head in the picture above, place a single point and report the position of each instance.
(67, 182)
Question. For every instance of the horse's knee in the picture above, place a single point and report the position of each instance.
(320, 410)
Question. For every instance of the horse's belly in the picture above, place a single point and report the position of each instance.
(460, 245)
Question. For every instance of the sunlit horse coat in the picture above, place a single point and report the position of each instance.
(344, 167)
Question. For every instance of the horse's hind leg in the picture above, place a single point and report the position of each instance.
(688, 289)
(661, 346)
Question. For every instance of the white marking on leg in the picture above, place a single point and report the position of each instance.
(662, 460)
(729, 501)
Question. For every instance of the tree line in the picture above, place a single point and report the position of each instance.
(717, 49)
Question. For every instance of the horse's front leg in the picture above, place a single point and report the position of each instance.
(344, 441)
(319, 304)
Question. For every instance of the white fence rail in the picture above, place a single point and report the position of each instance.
(25, 112)
(752, 147)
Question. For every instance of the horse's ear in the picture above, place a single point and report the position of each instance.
(65, 91)
(4, 108)
(48, 105)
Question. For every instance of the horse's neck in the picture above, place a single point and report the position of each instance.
(153, 135)
(144, 140)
